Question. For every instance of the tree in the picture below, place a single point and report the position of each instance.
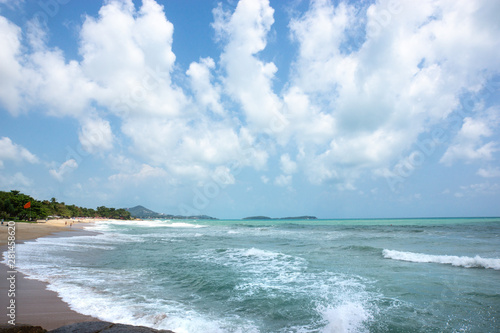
(3, 213)
(102, 211)
(123, 214)
(9, 208)
(12, 206)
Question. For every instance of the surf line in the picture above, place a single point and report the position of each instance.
(11, 274)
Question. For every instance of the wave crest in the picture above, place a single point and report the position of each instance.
(467, 262)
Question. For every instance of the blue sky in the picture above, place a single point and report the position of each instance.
(336, 109)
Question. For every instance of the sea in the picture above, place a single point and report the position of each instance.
(374, 275)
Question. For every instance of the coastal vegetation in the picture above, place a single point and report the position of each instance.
(18, 206)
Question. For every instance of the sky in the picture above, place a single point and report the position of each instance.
(337, 109)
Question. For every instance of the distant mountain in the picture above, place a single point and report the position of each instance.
(145, 213)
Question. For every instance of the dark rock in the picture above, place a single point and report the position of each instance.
(105, 327)
(85, 327)
(7, 328)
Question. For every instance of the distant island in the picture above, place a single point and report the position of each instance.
(145, 213)
(142, 212)
(280, 218)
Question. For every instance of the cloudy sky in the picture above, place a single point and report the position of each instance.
(254, 107)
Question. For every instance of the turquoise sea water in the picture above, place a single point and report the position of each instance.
(407, 275)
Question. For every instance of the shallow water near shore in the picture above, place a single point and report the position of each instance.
(408, 275)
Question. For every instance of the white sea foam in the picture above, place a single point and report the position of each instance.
(123, 309)
(93, 292)
(109, 226)
(183, 225)
(344, 301)
(348, 317)
(468, 262)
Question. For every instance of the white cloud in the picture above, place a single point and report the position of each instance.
(14, 152)
(41, 78)
(283, 180)
(64, 169)
(12, 3)
(489, 172)
(472, 190)
(366, 82)
(132, 65)
(10, 69)
(287, 165)
(469, 144)
(248, 79)
(95, 135)
(207, 95)
(145, 172)
(223, 176)
(411, 64)
(17, 181)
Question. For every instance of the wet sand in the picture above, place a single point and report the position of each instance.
(35, 305)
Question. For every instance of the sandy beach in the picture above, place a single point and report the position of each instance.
(27, 231)
(35, 305)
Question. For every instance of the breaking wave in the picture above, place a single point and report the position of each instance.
(468, 262)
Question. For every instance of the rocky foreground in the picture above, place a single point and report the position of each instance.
(85, 327)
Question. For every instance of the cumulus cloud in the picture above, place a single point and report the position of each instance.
(14, 152)
(145, 172)
(366, 82)
(64, 169)
(248, 79)
(477, 189)
(12, 3)
(489, 172)
(287, 165)
(10, 69)
(283, 180)
(469, 144)
(95, 135)
(131, 65)
(407, 73)
(207, 95)
(223, 176)
(18, 180)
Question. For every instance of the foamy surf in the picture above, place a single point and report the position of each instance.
(183, 225)
(349, 317)
(229, 277)
(467, 262)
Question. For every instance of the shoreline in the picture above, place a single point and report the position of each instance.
(35, 304)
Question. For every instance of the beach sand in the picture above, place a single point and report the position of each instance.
(27, 231)
(35, 305)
